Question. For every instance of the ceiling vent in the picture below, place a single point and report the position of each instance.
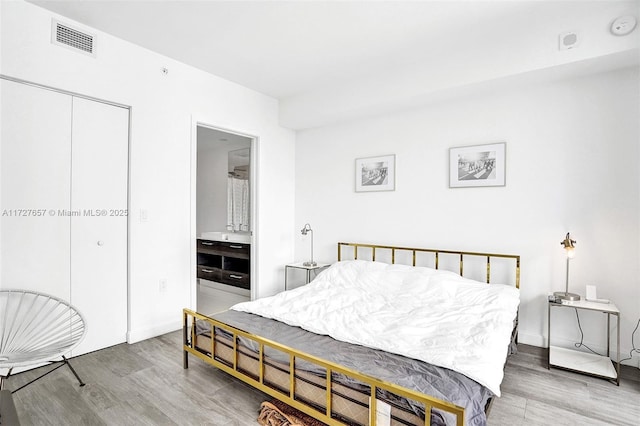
(66, 36)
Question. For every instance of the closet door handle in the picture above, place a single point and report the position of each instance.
(237, 277)
(235, 246)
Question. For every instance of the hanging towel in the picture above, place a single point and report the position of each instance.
(238, 204)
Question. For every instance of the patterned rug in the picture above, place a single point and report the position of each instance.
(277, 413)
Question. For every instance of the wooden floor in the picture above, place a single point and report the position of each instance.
(144, 384)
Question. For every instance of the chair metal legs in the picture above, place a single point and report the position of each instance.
(3, 378)
(61, 363)
(66, 361)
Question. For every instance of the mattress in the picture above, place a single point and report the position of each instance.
(350, 398)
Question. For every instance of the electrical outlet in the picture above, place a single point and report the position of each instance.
(144, 215)
(162, 285)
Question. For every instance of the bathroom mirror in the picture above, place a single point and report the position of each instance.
(239, 163)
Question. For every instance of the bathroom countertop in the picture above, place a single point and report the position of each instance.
(234, 237)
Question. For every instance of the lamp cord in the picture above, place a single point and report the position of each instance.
(633, 350)
(633, 344)
(581, 344)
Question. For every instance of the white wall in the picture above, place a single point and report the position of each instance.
(572, 165)
(163, 110)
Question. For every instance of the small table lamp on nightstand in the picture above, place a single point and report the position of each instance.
(306, 229)
(569, 246)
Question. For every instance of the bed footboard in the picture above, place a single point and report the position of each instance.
(232, 359)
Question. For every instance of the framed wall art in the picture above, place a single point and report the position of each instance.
(376, 173)
(477, 165)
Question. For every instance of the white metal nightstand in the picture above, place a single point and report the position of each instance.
(316, 268)
(582, 362)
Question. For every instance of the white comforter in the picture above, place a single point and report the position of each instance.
(434, 316)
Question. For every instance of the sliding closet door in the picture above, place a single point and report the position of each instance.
(35, 159)
(99, 234)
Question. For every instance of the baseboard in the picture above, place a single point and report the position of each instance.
(139, 335)
(541, 342)
(532, 339)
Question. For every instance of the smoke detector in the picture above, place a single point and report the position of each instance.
(568, 40)
(623, 25)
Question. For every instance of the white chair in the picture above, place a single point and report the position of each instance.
(35, 329)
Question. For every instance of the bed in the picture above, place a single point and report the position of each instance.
(366, 376)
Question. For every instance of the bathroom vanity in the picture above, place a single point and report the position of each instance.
(224, 262)
(223, 268)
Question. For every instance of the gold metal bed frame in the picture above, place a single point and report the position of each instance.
(189, 347)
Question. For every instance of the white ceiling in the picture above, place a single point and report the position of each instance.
(301, 52)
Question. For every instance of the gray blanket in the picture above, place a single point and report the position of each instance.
(431, 380)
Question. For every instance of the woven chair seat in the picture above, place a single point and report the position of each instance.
(36, 328)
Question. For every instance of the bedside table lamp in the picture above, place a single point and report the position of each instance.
(569, 246)
(304, 231)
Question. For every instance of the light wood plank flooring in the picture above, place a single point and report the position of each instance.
(144, 384)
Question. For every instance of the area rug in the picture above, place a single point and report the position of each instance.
(277, 413)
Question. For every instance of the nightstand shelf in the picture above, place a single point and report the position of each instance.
(584, 362)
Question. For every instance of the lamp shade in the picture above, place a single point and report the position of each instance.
(569, 245)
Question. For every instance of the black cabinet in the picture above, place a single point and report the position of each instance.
(224, 262)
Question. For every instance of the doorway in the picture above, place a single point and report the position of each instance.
(224, 204)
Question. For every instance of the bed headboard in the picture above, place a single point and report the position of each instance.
(373, 248)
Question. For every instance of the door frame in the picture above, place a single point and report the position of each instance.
(253, 182)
